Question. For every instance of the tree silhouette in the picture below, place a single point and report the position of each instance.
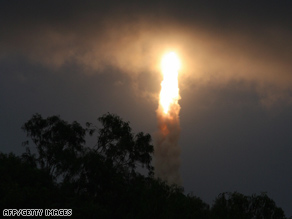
(121, 147)
(23, 186)
(104, 180)
(236, 205)
(59, 145)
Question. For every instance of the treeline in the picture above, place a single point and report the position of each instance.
(105, 181)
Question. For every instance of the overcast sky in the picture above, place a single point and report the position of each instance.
(81, 59)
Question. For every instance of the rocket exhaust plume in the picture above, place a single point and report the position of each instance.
(167, 151)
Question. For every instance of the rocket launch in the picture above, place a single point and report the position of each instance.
(167, 150)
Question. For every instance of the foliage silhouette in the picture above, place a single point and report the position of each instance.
(103, 180)
(236, 205)
(121, 147)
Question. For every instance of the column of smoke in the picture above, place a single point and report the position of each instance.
(167, 150)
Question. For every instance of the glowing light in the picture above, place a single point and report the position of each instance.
(169, 93)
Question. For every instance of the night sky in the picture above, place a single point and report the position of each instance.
(81, 59)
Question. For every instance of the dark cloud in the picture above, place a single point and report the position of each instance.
(80, 59)
(232, 40)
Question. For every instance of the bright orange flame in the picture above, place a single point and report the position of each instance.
(169, 93)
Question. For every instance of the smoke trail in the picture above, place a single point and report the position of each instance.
(167, 150)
